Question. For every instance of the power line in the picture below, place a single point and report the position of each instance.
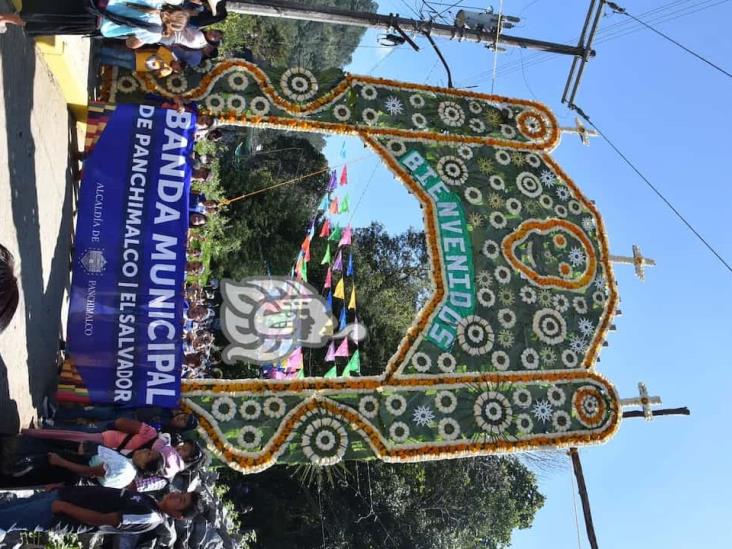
(662, 14)
(621, 11)
(654, 188)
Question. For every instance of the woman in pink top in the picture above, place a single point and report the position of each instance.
(128, 435)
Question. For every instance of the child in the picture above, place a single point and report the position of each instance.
(159, 61)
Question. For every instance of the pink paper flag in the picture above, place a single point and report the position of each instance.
(334, 205)
(330, 355)
(344, 176)
(328, 279)
(342, 350)
(346, 237)
(294, 361)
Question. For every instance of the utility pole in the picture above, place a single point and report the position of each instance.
(292, 10)
(582, 489)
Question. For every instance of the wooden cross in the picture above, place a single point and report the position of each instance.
(643, 400)
(638, 261)
(580, 130)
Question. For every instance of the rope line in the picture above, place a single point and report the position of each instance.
(227, 201)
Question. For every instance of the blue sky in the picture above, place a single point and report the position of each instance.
(660, 484)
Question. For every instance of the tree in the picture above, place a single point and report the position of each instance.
(440, 504)
(303, 43)
(263, 232)
(392, 278)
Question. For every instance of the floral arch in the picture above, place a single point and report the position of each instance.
(501, 357)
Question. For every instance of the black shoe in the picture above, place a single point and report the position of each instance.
(22, 467)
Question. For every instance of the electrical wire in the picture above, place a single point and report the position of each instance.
(662, 14)
(526, 82)
(618, 30)
(651, 186)
(574, 504)
(621, 11)
(371, 177)
(456, 4)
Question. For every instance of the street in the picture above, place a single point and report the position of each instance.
(36, 187)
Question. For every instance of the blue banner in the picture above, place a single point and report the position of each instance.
(126, 313)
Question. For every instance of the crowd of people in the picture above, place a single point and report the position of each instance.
(103, 468)
(201, 354)
(115, 470)
(160, 36)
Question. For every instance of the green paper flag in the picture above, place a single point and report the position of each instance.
(333, 372)
(301, 373)
(335, 234)
(344, 205)
(353, 366)
(304, 271)
(326, 257)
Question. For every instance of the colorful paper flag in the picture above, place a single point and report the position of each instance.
(298, 267)
(339, 290)
(353, 366)
(343, 149)
(330, 355)
(329, 302)
(333, 372)
(344, 205)
(334, 205)
(349, 269)
(333, 181)
(352, 301)
(294, 361)
(326, 257)
(338, 263)
(304, 270)
(301, 374)
(342, 350)
(325, 229)
(344, 175)
(335, 233)
(342, 320)
(346, 237)
(328, 279)
(324, 203)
